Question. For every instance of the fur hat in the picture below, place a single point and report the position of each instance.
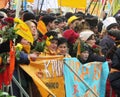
(70, 35)
(92, 20)
(109, 22)
(84, 35)
(58, 20)
(28, 16)
(114, 33)
(48, 18)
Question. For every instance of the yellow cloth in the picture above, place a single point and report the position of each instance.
(31, 1)
(0, 60)
(71, 19)
(48, 52)
(51, 80)
(26, 48)
(23, 30)
(78, 49)
(73, 3)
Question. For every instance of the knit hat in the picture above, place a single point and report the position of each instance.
(71, 19)
(70, 35)
(84, 35)
(58, 20)
(109, 22)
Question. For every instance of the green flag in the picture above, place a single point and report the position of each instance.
(116, 6)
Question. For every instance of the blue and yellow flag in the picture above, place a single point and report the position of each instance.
(88, 80)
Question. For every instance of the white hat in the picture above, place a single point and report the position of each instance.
(109, 22)
(84, 35)
(3, 14)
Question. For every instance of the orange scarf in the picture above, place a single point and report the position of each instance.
(49, 52)
(26, 48)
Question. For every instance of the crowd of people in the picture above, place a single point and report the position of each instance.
(85, 37)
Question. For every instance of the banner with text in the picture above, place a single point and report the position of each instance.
(47, 73)
(91, 79)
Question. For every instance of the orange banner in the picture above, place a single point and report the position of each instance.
(47, 73)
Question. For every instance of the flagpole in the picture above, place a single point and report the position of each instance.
(41, 6)
(38, 2)
(103, 7)
(86, 11)
(98, 7)
(18, 8)
(94, 7)
(81, 79)
(110, 12)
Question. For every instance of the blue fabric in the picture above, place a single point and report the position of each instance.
(23, 58)
(76, 88)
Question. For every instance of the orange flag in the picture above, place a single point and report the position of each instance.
(47, 74)
(3, 3)
(31, 1)
(41, 27)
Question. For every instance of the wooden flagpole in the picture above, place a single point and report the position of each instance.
(94, 7)
(103, 7)
(86, 11)
(38, 2)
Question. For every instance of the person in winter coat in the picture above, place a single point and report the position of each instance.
(114, 75)
(108, 42)
(94, 50)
